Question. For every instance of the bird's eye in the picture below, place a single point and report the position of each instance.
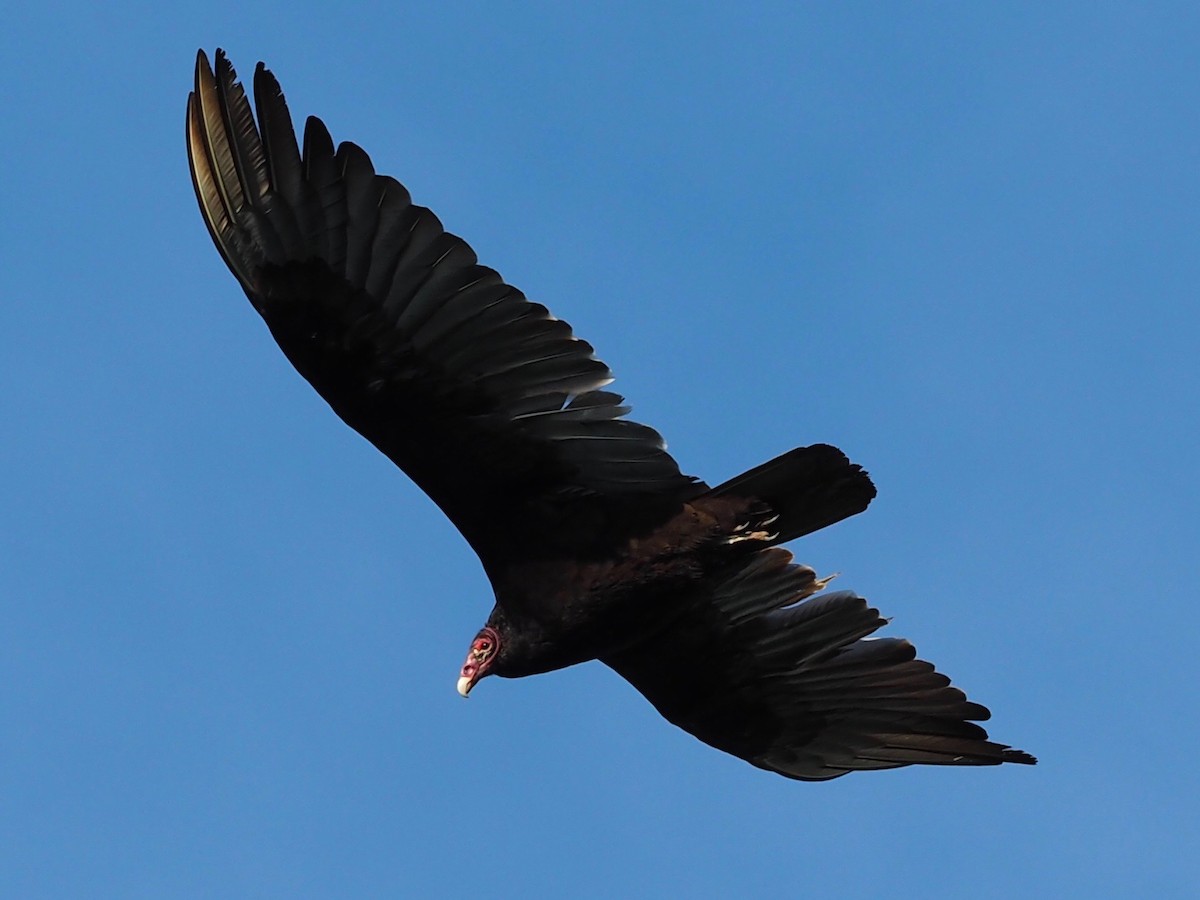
(485, 645)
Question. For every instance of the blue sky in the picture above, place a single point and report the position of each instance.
(957, 240)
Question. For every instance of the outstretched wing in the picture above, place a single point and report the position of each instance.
(799, 688)
(486, 400)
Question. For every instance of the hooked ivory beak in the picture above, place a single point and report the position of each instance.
(479, 659)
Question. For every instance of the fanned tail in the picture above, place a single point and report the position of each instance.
(808, 488)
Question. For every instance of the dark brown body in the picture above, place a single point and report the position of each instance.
(557, 613)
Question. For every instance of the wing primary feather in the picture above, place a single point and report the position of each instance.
(282, 154)
(362, 209)
(220, 154)
(205, 137)
(321, 173)
(208, 193)
(246, 148)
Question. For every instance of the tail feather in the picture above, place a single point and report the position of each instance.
(809, 488)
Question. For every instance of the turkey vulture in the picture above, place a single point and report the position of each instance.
(596, 545)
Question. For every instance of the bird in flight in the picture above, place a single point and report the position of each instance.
(595, 544)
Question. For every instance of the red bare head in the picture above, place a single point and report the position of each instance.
(479, 658)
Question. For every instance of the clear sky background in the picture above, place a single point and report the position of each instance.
(957, 240)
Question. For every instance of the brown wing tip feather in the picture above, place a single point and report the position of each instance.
(1019, 756)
